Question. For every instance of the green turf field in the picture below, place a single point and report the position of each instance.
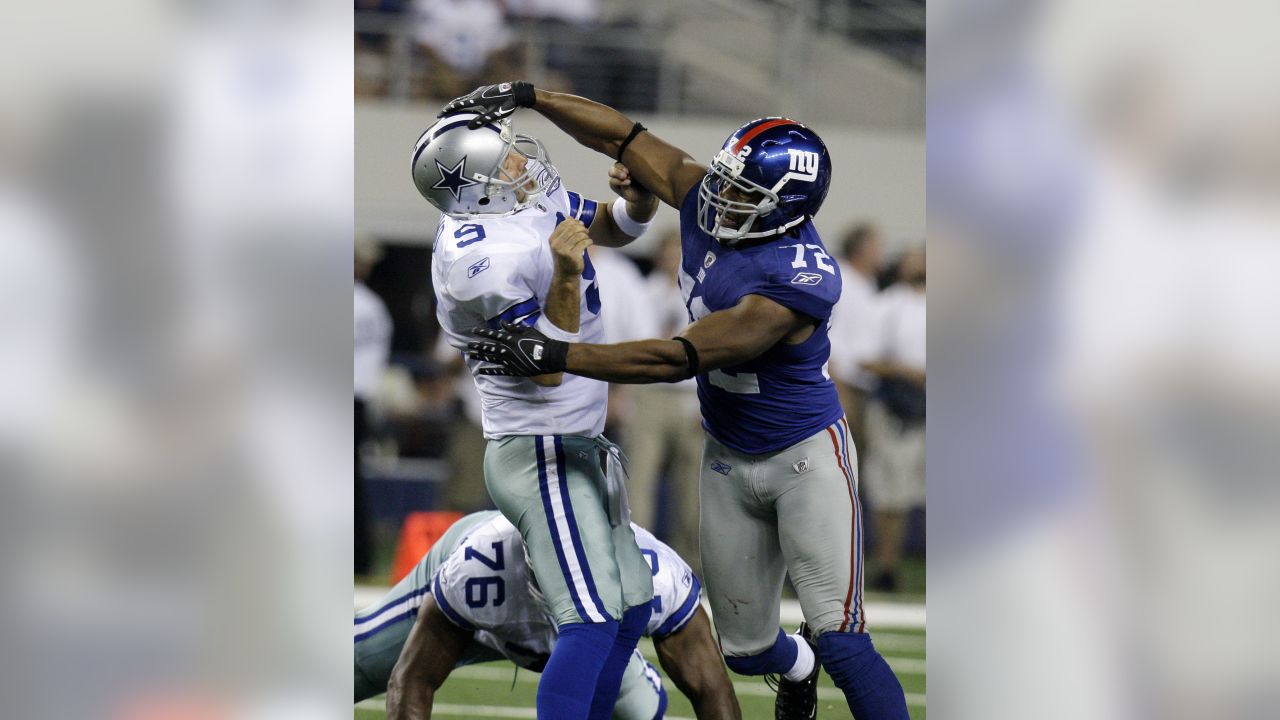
(487, 691)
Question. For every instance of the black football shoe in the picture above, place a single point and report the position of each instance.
(797, 700)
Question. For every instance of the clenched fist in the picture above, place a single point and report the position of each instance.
(569, 241)
(620, 182)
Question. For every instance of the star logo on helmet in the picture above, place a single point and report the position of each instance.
(452, 179)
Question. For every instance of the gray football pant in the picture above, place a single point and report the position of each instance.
(795, 511)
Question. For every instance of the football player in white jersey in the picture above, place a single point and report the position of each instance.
(471, 599)
(511, 247)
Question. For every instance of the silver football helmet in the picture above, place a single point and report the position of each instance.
(466, 172)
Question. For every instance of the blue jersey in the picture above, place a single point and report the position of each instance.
(784, 395)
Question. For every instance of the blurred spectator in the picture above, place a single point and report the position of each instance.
(372, 347)
(464, 491)
(417, 407)
(895, 465)
(576, 12)
(665, 436)
(853, 327)
(614, 62)
(372, 62)
(466, 43)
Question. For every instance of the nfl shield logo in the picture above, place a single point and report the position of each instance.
(710, 258)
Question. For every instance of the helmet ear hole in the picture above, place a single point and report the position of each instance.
(483, 201)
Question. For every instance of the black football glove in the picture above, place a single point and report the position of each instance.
(517, 350)
(492, 102)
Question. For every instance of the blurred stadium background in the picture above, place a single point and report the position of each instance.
(692, 72)
(176, 196)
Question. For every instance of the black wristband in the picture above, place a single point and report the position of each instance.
(690, 356)
(635, 130)
(522, 92)
(555, 353)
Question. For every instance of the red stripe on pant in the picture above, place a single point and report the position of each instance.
(853, 550)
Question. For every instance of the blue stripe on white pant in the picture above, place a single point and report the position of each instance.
(554, 488)
(389, 614)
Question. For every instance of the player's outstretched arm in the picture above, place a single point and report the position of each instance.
(430, 652)
(723, 338)
(665, 169)
(692, 661)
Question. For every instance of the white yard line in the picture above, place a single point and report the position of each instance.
(880, 614)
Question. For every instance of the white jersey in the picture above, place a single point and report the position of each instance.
(490, 269)
(483, 586)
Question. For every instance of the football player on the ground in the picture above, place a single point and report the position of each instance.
(511, 247)
(471, 599)
(778, 489)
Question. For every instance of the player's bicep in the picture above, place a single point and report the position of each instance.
(664, 169)
(742, 332)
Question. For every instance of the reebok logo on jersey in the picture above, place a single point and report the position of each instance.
(478, 267)
(721, 467)
(806, 278)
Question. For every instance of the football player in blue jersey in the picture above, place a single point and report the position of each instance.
(778, 485)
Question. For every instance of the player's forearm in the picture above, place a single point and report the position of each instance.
(564, 311)
(596, 126)
(615, 236)
(408, 700)
(564, 299)
(642, 361)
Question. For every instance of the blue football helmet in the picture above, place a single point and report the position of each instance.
(770, 176)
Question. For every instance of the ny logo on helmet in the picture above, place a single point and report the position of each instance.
(804, 165)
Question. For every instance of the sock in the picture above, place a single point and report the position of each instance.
(780, 658)
(870, 687)
(569, 680)
(634, 622)
(805, 660)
